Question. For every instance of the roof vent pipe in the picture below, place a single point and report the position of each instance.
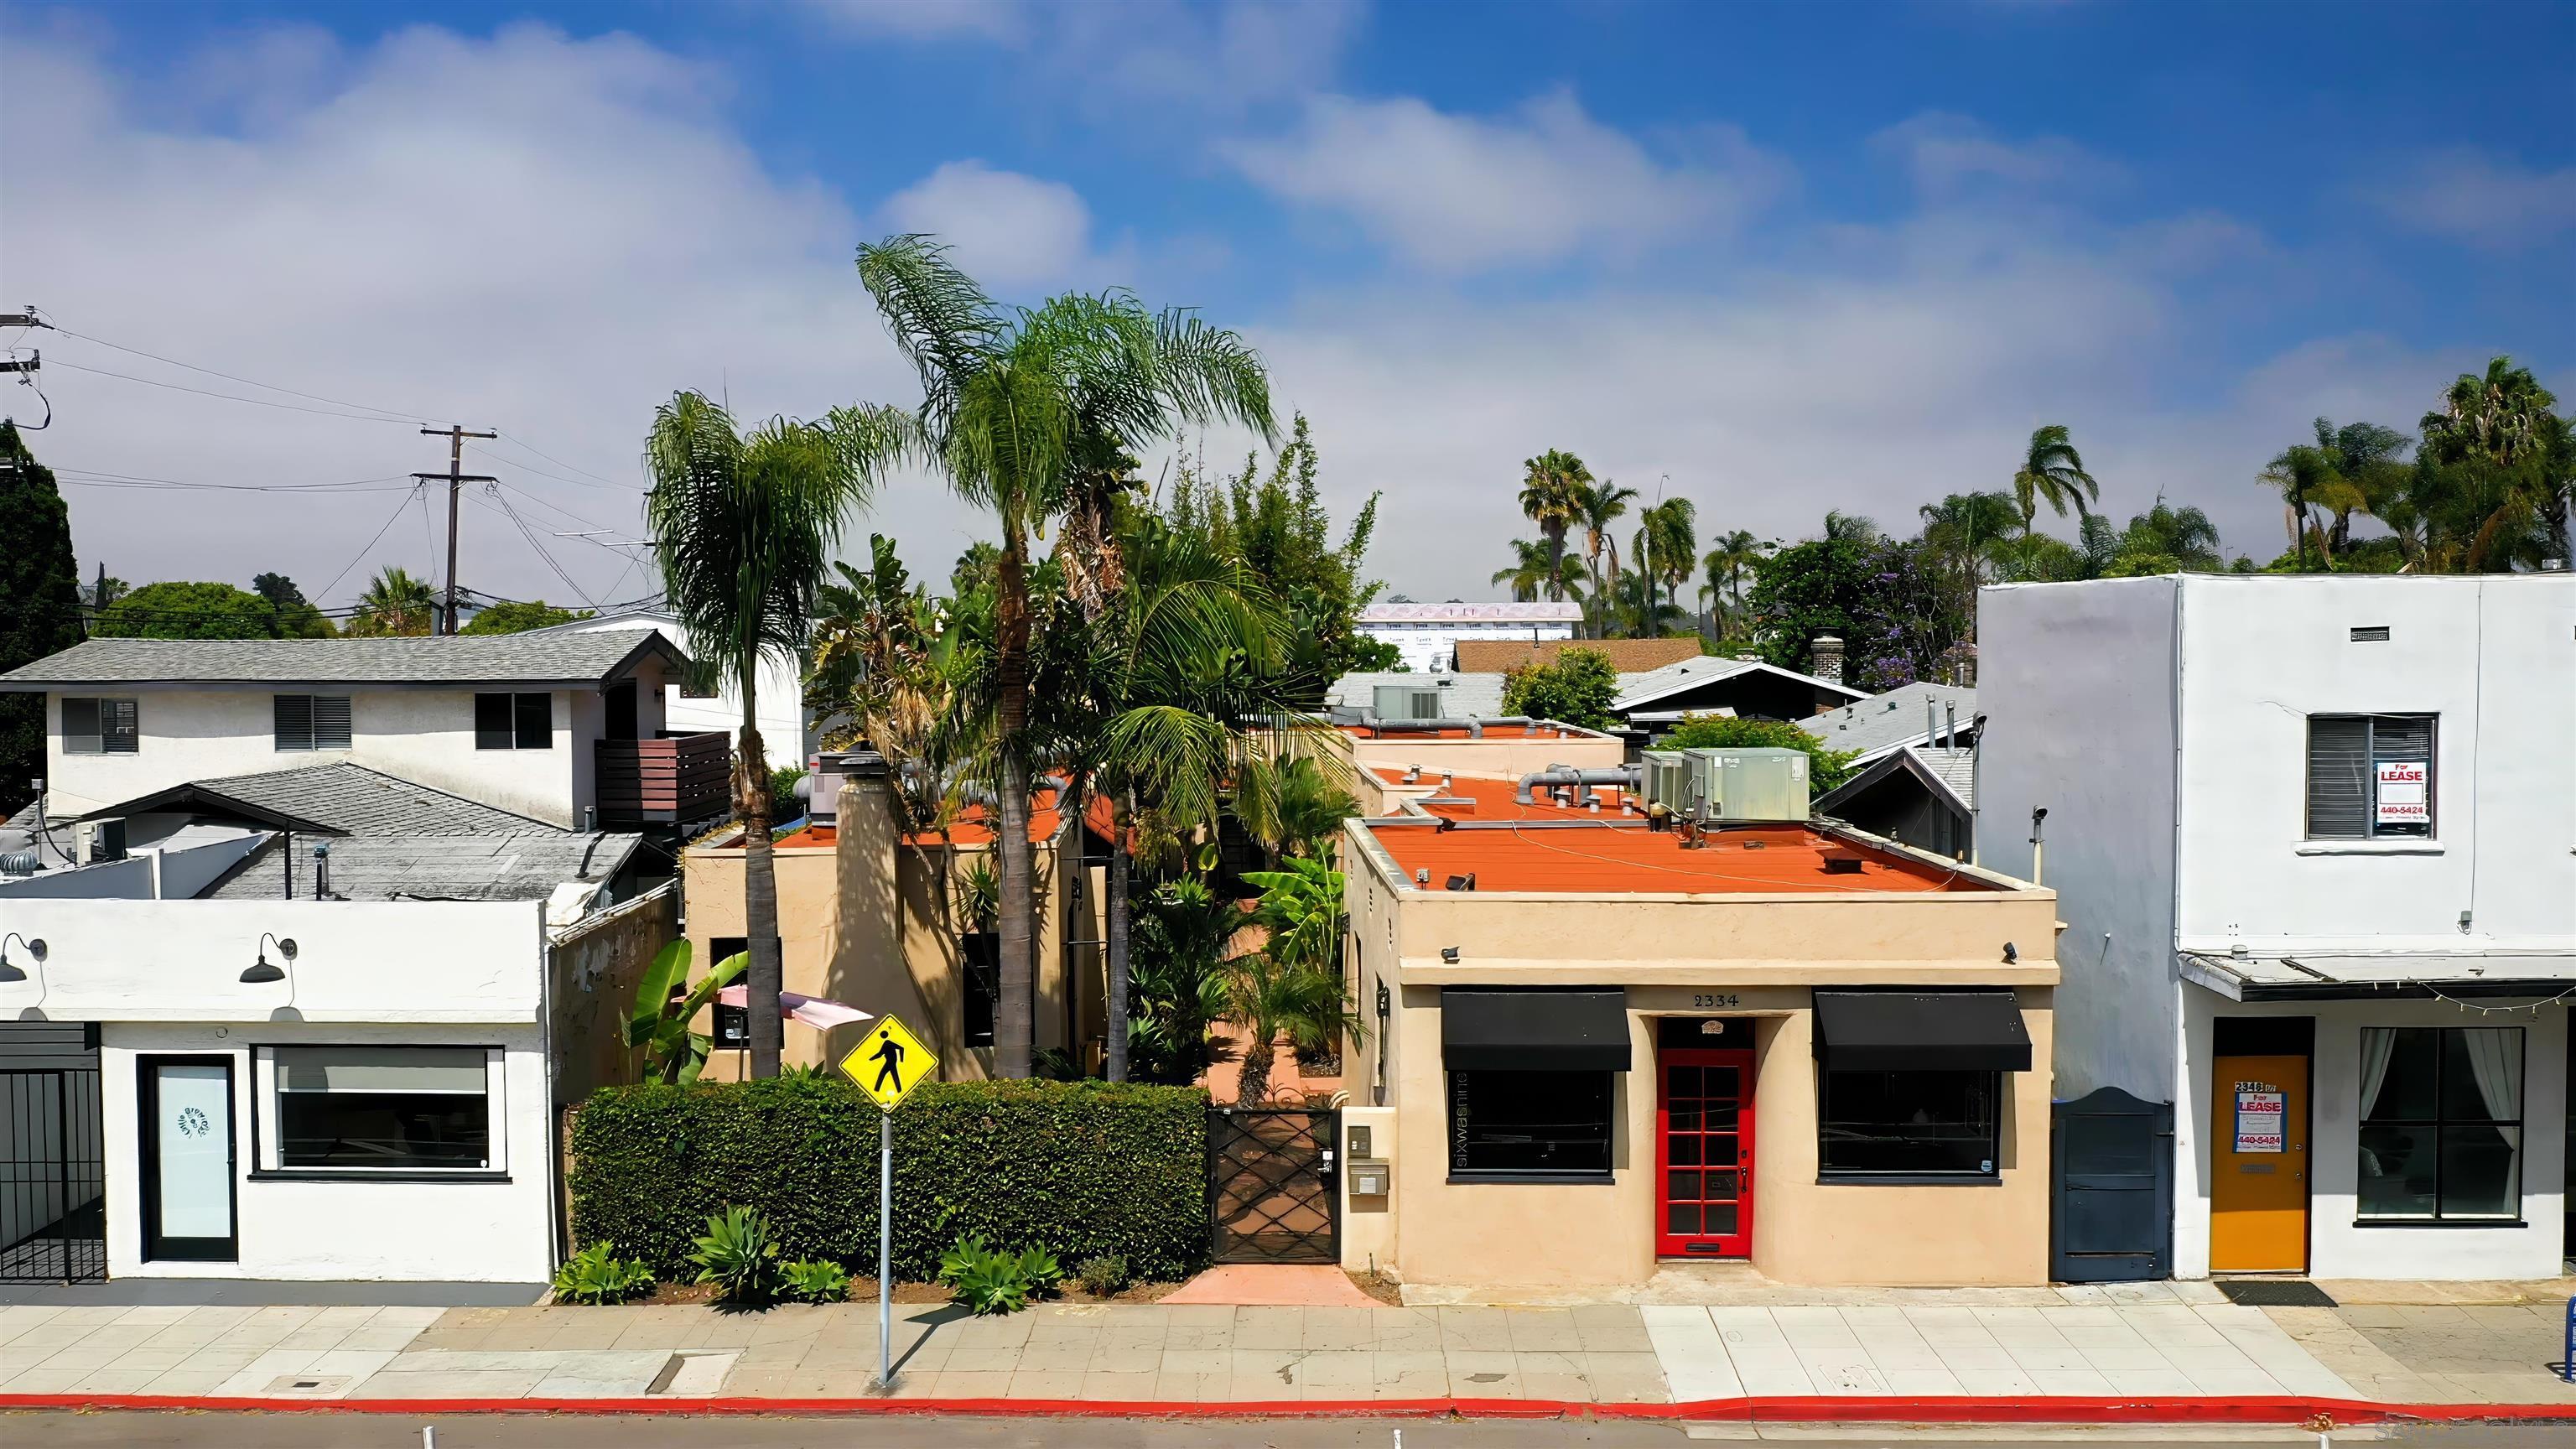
(1950, 726)
(1626, 777)
(1931, 723)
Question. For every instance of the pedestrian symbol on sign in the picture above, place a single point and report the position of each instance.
(889, 1062)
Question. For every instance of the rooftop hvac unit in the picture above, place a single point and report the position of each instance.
(1750, 783)
(1406, 701)
(1668, 779)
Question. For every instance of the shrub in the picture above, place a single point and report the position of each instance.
(739, 1254)
(1086, 1168)
(1576, 689)
(984, 1280)
(1104, 1276)
(597, 1275)
(805, 1281)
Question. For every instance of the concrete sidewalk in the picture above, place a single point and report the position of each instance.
(1593, 1354)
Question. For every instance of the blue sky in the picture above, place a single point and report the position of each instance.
(1777, 258)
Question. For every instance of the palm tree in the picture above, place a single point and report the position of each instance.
(1529, 576)
(1669, 545)
(1963, 529)
(395, 602)
(1015, 404)
(1552, 487)
(2185, 535)
(1841, 527)
(744, 525)
(2501, 429)
(1734, 556)
(1293, 985)
(2367, 455)
(1603, 504)
(2305, 477)
(2052, 473)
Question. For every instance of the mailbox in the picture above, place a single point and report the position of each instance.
(1370, 1179)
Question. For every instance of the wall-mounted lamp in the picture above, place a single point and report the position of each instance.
(265, 971)
(1449, 954)
(2010, 955)
(9, 972)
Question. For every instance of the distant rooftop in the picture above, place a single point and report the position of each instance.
(432, 868)
(1490, 732)
(1467, 797)
(1883, 722)
(1639, 691)
(575, 659)
(341, 799)
(1463, 696)
(1495, 613)
(1630, 859)
(1626, 656)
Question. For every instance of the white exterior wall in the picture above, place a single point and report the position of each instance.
(2337, 1246)
(2076, 685)
(424, 735)
(1428, 646)
(786, 736)
(307, 1231)
(2495, 658)
(164, 977)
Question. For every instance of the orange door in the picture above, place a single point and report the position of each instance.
(2258, 1157)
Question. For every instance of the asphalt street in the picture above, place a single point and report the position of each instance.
(539, 1431)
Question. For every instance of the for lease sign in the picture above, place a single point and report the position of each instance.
(2402, 798)
(2259, 1119)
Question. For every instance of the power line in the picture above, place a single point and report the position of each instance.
(585, 473)
(92, 478)
(503, 504)
(391, 414)
(370, 548)
(230, 397)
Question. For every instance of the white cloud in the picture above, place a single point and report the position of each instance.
(1539, 186)
(1008, 230)
(542, 234)
(2468, 196)
(1948, 154)
(1005, 20)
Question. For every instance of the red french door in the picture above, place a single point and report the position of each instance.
(1704, 1153)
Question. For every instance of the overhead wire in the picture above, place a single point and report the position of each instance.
(231, 397)
(390, 414)
(370, 548)
(530, 534)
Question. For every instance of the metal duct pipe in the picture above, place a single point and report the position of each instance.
(1475, 728)
(1950, 726)
(1630, 778)
(1931, 723)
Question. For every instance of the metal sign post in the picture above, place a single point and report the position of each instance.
(887, 1064)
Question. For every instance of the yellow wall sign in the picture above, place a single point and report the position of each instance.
(889, 1062)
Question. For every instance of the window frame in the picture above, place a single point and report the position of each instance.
(728, 1027)
(2371, 829)
(268, 1118)
(2440, 1123)
(101, 709)
(312, 726)
(1465, 1175)
(1918, 1176)
(486, 736)
(980, 983)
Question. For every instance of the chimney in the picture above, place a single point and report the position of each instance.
(1829, 658)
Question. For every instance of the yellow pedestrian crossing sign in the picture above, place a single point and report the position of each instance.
(889, 1062)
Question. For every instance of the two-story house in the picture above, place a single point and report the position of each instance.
(2314, 841)
(788, 735)
(566, 728)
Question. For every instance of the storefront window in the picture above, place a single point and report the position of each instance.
(383, 1109)
(1913, 1124)
(1529, 1124)
(2441, 1123)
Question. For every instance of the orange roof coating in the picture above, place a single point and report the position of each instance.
(1631, 859)
(1498, 799)
(1492, 732)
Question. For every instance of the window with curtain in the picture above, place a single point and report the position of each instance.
(384, 1109)
(94, 726)
(2441, 1123)
(2370, 776)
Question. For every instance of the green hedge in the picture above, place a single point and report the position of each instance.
(1079, 1168)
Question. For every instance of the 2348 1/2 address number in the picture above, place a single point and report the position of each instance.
(1728, 998)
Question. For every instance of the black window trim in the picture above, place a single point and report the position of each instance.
(1912, 1177)
(262, 1074)
(2363, 1121)
(1470, 1176)
(98, 733)
(517, 724)
(2369, 720)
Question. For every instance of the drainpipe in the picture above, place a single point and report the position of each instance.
(2038, 818)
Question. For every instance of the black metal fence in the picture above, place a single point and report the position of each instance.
(53, 1176)
(1271, 1193)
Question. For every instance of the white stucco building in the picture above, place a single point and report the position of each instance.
(1427, 635)
(787, 734)
(2314, 841)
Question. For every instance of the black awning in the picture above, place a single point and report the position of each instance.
(1921, 1031)
(1489, 1030)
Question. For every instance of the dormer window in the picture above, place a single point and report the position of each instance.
(514, 721)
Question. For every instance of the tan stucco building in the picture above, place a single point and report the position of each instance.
(868, 916)
(1600, 1050)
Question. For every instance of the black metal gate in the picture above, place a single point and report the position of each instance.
(1272, 1197)
(2112, 1221)
(53, 1176)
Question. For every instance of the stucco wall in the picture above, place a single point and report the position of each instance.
(2075, 683)
(595, 967)
(492, 1232)
(2337, 1248)
(1495, 758)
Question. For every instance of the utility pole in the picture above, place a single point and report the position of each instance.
(456, 480)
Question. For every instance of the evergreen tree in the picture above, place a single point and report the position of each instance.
(39, 604)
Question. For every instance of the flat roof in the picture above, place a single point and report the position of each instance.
(1491, 732)
(973, 826)
(1477, 798)
(1614, 858)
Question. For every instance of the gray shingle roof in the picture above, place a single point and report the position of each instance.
(1883, 722)
(1954, 768)
(455, 868)
(573, 658)
(1636, 691)
(350, 799)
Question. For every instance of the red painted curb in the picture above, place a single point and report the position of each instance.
(1852, 1409)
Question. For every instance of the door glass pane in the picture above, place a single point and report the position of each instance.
(2481, 1171)
(1682, 1081)
(2397, 1172)
(1684, 1150)
(1681, 1218)
(1721, 1219)
(193, 1139)
(1721, 1187)
(1682, 1186)
(1721, 1082)
(1721, 1151)
(1682, 1119)
(1722, 1115)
